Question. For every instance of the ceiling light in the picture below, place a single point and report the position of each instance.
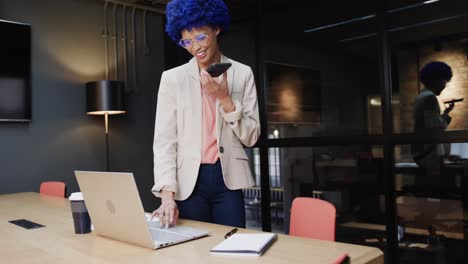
(370, 16)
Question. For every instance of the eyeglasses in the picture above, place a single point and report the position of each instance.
(200, 39)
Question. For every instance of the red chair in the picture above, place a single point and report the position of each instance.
(312, 218)
(53, 188)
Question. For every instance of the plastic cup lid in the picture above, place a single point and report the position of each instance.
(76, 196)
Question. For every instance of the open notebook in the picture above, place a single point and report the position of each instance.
(245, 244)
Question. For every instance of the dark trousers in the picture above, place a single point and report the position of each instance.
(211, 201)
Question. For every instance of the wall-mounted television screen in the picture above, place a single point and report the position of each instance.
(15, 72)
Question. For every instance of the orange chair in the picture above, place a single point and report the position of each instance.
(53, 188)
(312, 218)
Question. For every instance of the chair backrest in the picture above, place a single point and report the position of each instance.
(53, 188)
(312, 218)
(251, 193)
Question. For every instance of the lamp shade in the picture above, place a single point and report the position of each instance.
(105, 97)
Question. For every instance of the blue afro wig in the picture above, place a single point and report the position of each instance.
(435, 71)
(188, 14)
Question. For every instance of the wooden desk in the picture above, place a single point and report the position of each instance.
(57, 242)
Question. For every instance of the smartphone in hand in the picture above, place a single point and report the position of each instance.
(217, 69)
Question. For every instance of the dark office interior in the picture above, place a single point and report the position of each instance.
(336, 82)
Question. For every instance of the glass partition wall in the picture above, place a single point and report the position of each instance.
(338, 83)
(430, 173)
(322, 100)
(317, 81)
(431, 217)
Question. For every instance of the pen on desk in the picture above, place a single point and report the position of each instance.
(230, 233)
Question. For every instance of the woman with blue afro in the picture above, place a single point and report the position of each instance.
(203, 122)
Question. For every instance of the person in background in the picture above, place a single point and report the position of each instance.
(428, 118)
(202, 123)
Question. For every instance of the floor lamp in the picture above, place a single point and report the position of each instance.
(105, 98)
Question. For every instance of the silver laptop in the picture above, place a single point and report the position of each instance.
(116, 212)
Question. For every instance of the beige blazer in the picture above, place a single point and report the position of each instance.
(178, 129)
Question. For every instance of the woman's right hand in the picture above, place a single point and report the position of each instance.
(167, 212)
